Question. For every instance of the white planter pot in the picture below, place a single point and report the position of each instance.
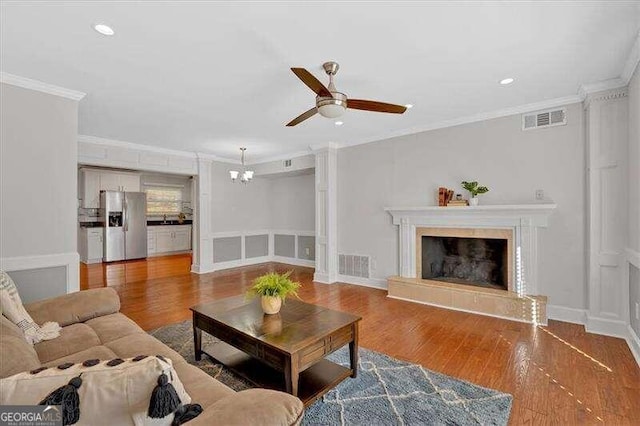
(473, 201)
(271, 304)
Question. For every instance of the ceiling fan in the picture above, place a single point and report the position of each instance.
(330, 103)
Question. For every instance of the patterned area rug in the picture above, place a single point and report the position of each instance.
(387, 391)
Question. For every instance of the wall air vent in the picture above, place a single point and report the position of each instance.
(287, 163)
(549, 118)
(353, 265)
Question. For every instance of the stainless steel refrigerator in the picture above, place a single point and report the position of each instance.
(124, 215)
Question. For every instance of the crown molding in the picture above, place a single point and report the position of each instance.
(324, 146)
(212, 157)
(281, 157)
(536, 106)
(40, 86)
(586, 90)
(95, 140)
(632, 61)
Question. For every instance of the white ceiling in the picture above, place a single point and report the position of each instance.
(212, 77)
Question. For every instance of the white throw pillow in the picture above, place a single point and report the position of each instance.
(114, 392)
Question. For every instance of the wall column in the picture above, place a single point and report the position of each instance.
(606, 135)
(326, 214)
(202, 241)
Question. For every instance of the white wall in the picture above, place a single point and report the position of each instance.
(292, 202)
(236, 206)
(513, 164)
(38, 182)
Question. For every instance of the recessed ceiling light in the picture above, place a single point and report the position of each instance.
(339, 123)
(506, 81)
(408, 106)
(104, 29)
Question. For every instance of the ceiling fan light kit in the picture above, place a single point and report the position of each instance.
(332, 104)
(245, 175)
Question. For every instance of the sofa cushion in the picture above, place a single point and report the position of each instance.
(142, 344)
(110, 393)
(113, 326)
(75, 307)
(16, 355)
(94, 352)
(73, 338)
(203, 389)
(253, 407)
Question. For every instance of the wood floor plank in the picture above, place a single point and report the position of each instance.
(512, 357)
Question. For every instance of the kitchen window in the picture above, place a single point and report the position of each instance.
(163, 200)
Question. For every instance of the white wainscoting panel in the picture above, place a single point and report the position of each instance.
(70, 261)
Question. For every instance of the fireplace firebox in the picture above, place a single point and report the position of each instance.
(472, 261)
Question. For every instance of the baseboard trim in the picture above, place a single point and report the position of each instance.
(563, 313)
(322, 278)
(634, 343)
(294, 261)
(365, 282)
(607, 327)
(71, 261)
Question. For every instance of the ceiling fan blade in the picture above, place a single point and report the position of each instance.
(375, 106)
(299, 119)
(313, 83)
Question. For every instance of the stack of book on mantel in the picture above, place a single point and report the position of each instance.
(448, 198)
(457, 203)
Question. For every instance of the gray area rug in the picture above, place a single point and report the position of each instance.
(387, 391)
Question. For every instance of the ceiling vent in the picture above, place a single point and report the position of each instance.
(549, 118)
(287, 163)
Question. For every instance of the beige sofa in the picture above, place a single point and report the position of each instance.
(93, 328)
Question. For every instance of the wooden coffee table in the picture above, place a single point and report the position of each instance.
(285, 351)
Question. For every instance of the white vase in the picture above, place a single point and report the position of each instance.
(271, 304)
(473, 201)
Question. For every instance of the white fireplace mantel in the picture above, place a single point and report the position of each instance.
(524, 219)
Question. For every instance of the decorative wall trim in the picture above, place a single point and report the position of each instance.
(71, 261)
(365, 282)
(40, 86)
(563, 313)
(634, 343)
(606, 94)
(212, 266)
(326, 204)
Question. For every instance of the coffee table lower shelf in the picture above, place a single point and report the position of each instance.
(314, 382)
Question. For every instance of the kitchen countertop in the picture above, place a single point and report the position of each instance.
(168, 222)
(91, 225)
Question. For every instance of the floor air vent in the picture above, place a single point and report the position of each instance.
(549, 118)
(353, 265)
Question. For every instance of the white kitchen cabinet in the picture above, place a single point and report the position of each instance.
(129, 182)
(168, 239)
(109, 181)
(91, 243)
(182, 240)
(118, 181)
(164, 240)
(89, 188)
(92, 181)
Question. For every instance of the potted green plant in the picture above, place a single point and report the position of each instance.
(273, 288)
(474, 190)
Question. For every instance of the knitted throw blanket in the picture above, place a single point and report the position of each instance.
(12, 309)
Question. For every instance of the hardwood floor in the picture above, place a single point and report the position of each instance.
(557, 374)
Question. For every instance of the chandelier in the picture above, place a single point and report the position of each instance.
(245, 175)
